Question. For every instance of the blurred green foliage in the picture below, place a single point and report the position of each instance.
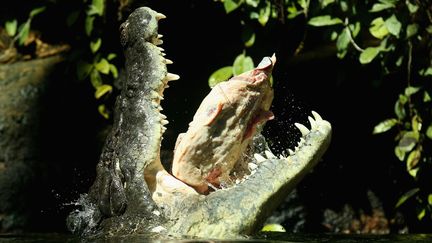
(83, 25)
(397, 35)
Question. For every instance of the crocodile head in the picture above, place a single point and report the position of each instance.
(222, 186)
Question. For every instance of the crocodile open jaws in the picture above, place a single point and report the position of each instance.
(222, 185)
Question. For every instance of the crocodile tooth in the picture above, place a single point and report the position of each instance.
(167, 61)
(316, 116)
(163, 116)
(252, 166)
(312, 122)
(154, 94)
(158, 42)
(164, 122)
(159, 36)
(160, 16)
(304, 130)
(171, 77)
(302, 140)
(161, 49)
(163, 54)
(160, 108)
(281, 156)
(163, 129)
(259, 158)
(290, 151)
(269, 155)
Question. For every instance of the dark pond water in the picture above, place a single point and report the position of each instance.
(265, 238)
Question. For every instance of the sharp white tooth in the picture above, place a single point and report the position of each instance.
(168, 61)
(290, 151)
(158, 42)
(259, 158)
(163, 129)
(302, 140)
(159, 36)
(316, 116)
(154, 94)
(252, 166)
(163, 116)
(164, 122)
(171, 77)
(304, 130)
(269, 155)
(281, 157)
(163, 54)
(312, 122)
(160, 16)
(161, 49)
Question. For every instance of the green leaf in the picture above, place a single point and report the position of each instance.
(399, 109)
(412, 8)
(411, 90)
(103, 111)
(253, 3)
(411, 30)
(416, 123)
(113, 70)
(421, 214)
(89, 24)
(408, 141)
(103, 66)
(324, 3)
(111, 56)
(220, 75)
(242, 64)
(377, 7)
(95, 78)
(384, 125)
(413, 159)
(96, 8)
(24, 32)
(264, 14)
(406, 196)
(429, 29)
(83, 69)
(393, 25)
(11, 27)
(378, 28)
(399, 61)
(37, 11)
(429, 131)
(95, 45)
(273, 228)
(400, 154)
(231, 5)
(342, 42)
(303, 4)
(248, 36)
(324, 20)
(426, 71)
(101, 90)
(369, 54)
(426, 97)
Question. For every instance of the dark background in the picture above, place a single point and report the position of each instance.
(200, 37)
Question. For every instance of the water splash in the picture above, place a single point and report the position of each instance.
(85, 219)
